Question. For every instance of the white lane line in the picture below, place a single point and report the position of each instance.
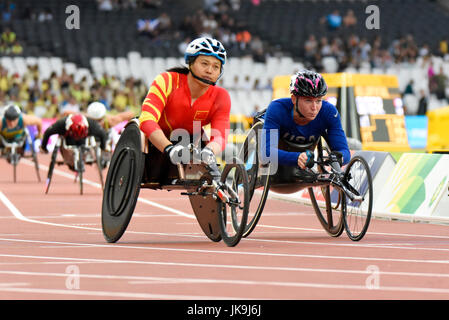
(268, 254)
(20, 216)
(13, 284)
(177, 281)
(115, 294)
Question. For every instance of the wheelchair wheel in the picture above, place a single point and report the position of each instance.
(80, 169)
(51, 167)
(357, 214)
(122, 184)
(33, 155)
(258, 182)
(99, 165)
(36, 162)
(233, 216)
(332, 219)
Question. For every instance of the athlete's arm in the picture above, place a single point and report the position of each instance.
(152, 109)
(56, 128)
(29, 120)
(336, 136)
(220, 122)
(271, 130)
(97, 131)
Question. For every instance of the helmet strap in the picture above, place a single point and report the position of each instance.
(202, 80)
(297, 108)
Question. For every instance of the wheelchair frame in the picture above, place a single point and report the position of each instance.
(11, 151)
(79, 152)
(220, 207)
(329, 176)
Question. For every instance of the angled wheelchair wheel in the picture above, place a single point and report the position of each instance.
(33, 155)
(51, 167)
(80, 168)
(357, 214)
(122, 184)
(234, 214)
(329, 216)
(99, 165)
(36, 162)
(258, 179)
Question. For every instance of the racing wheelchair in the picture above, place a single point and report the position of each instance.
(220, 204)
(347, 193)
(12, 151)
(75, 156)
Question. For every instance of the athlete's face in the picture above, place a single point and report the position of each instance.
(308, 106)
(12, 123)
(207, 67)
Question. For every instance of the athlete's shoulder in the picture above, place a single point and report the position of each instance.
(282, 104)
(329, 110)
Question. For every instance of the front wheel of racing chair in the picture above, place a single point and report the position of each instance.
(51, 167)
(234, 214)
(33, 153)
(332, 219)
(122, 185)
(258, 177)
(357, 214)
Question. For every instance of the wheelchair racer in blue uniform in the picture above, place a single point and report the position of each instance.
(303, 119)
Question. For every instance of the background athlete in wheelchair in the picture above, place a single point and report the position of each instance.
(15, 136)
(284, 152)
(166, 149)
(77, 143)
(97, 111)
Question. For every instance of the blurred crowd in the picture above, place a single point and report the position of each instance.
(59, 94)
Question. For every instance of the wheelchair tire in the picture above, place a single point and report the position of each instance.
(122, 184)
(357, 217)
(332, 220)
(258, 184)
(51, 167)
(233, 222)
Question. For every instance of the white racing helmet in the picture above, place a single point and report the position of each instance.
(208, 47)
(96, 110)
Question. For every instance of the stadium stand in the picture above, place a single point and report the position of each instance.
(263, 38)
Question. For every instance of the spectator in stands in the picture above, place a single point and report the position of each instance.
(441, 82)
(8, 37)
(243, 37)
(16, 48)
(310, 47)
(45, 15)
(69, 106)
(333, 20)
(423, 103)
(105, 5)
(349, 20)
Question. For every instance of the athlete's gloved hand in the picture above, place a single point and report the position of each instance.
(306, 159)
(208, 157)
(177, 154)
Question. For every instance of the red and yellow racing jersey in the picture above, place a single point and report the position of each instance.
(168, 106)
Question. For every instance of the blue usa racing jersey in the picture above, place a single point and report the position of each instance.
(279, 116)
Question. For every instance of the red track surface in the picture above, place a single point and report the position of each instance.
(52, 247)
